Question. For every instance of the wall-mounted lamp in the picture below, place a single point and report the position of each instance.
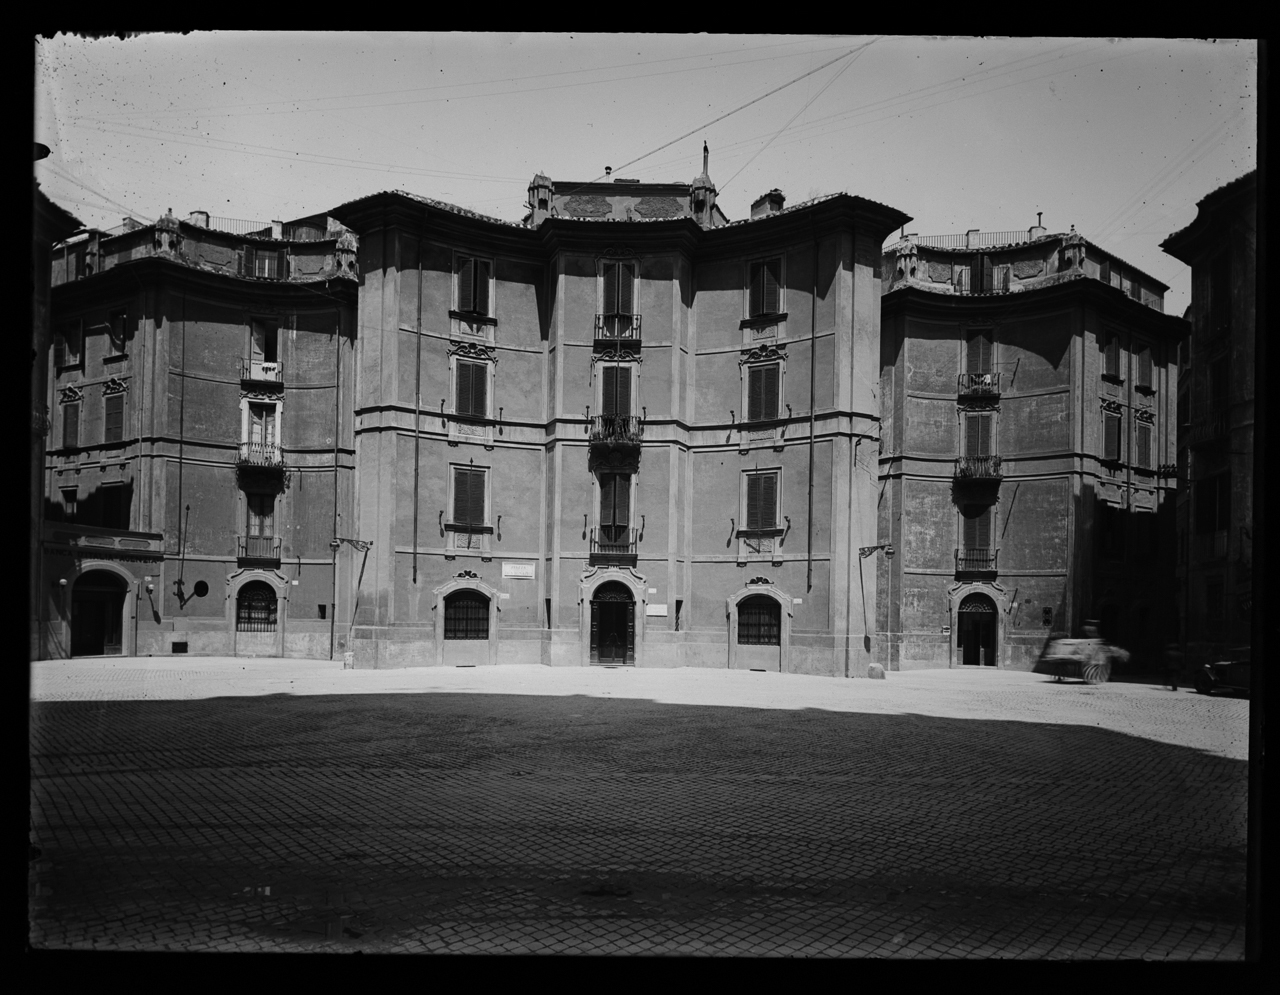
(865, 551)
(150, 588)
(62, 582)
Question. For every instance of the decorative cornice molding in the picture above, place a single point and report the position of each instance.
(474, 350)
(264, 393)
(773, 351)
(618, 252)
(1145, 415)
(978, 402)
(618, 356)
(1115, 407)
(758, 580)
(114, 386)
(70, 393)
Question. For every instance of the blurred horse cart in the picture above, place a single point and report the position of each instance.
(1088, 660)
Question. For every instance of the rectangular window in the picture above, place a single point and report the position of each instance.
(1143, 440)
(762, 501)
(1104, 271)
(113, 418)
(472, 275)
(1220, 294)
(766, 287)
(977, 526)
(1111, 437)
(468, 496)
(960, 278)
(117, 331)
(978, 352)
(977, 434)
(67, 346)
(619, 288)
(71, 425)
(615, 499)
(1213, 504)
(268, 264)
(471, 398)
(616, 390)
(69, 504)
(1143, 374)
(762, 391)
(262, 424)
(115, 509)
(1111, 355)
(260, 509)
(264, 341)
(679, 608)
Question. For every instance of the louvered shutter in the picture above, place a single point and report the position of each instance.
(1111, 441)
(984, 435)
(1104, 271)
(978, 359)
(622, 500)
(1005, 278)
(1144, 367)
(772, 280)
(475, 498)
(986, 274)
(60, 349)
(480, 390)
(769, 392)
(269, 426)
(768, 500)
(248, 261)
(977, 527)
(757, 289)
(609, 390)
(755, 393)
(113, 428)
(70, 425)
(482, 287)
(466, 283)
(970, 529)
(972, 435)
(984, 528)
(626, 286)
(607, 481)
(282, 265)
(463, 392)
(753, 501)
(258, 338)
(1144, 446)
(461, 495)
(610, 304)
(622, 402)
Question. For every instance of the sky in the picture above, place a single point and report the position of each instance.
(1119, 138)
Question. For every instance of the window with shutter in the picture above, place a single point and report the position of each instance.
(116, 332)
(69, 503)
(765, 287)
(472, 391)
(1144, 446)
(762, 392)
(473, 284)
(1144, 371)
(616, 390)
(1111, 437)
(70, 426)
(264, 341)
(113, 418)
(977, 441)
(978, 358)
(468, 496)
(69, 345)
(977, 526)
(619, 288)
(1111, 355)
(261, 512)
(762, 501)
(615, 499)
(262, 423)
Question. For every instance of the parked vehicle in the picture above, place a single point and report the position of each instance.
(1225, 675)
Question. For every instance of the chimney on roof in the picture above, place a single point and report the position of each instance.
(198, 218)
(1038, 229)
(277, 228)
(706, 159)
(608, 170)
(769, 203)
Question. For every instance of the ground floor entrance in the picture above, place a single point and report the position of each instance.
(613, 625)
(97, 614)
(976, 635)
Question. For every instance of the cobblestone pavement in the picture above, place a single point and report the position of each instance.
(234, 805)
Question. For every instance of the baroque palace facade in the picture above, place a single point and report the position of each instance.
(625, 431)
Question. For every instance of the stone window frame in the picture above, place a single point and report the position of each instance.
(787, 604)
(466, 580)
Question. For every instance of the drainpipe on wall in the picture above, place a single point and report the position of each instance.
(417, 410)
(337, 429)
(813, 372)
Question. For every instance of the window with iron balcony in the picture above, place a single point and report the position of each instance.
(617, 321)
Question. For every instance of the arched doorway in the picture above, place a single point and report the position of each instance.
(759, 633)
(613, 625)
(466, 628)
(976, 638)
(97, 614)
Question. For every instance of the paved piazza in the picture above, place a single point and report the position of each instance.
(269, 805)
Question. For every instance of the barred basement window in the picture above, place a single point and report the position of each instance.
(759, 621)
(466, 615)
(256, 608)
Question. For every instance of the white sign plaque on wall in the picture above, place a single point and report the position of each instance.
(655, 610)
(517, 571)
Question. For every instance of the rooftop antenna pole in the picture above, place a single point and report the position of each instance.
(706, 159)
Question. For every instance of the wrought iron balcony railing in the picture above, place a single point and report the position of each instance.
(261, 372)
(1209, 429)
(979, 559)
(260, 454)
(613, 545)
(618, 328)
(259, 548)
(614, 429)
(978, 385)
(978, 468)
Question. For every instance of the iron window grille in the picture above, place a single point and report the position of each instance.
(466, 615)
(256, 608)
(759, 621)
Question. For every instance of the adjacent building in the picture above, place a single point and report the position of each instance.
(624, 432)
(200, 456)
(1216, 423)
(1028, 404)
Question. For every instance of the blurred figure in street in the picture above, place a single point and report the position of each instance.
(1172, 665)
